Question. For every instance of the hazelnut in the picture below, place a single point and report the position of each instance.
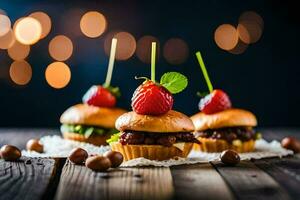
(291, 143)
(230, 157)
(78, 156)
(10, 153)
(116, 158)
(98, 163)
(35, 145)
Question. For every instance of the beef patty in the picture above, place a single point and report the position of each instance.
(148, 138)
(229, 134)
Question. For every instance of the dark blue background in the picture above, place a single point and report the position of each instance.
(264, 79)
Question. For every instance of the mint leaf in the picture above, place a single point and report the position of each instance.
(114, 138)
(174, 82)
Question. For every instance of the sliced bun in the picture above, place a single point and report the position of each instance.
(97, 140)
(227, 118)
(172, 121)
(151, 152)
(216, 145)
(91, 115)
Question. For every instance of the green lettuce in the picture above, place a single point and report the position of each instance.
(87, 131)
(114, 138)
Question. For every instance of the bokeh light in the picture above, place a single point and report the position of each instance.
(18, 51)
(58, 75)
(252, 16)
(125, 47)
(28, 30)
(7, 40)
(240, 48)
(20, 72)
(61, 48)
(143, 48)
(250, 27)
(93, 24)
(176, 51)
(5, 25)
(45, 22)
(226, 37)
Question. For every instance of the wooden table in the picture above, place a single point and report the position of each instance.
(36, 178)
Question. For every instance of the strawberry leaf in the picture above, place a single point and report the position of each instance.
(114, 91)
(174, 82)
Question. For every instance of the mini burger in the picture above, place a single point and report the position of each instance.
(153, 137)
(227, 129)
(91, 124)
(153, 130)
(93, 121)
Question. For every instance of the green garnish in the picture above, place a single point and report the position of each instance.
(114, 138)
(258, 136)
(174, 82)
(114, 91)
(87, 131)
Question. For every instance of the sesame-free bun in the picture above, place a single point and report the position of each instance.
(91, 115)
(228, 118)
(172, 121)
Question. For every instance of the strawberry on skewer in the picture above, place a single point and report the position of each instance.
(217, 100)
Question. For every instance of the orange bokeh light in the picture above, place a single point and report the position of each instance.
(252, 16)
(20, 72)
(176, 51)
(7, 40)
(61, 48)
(240, 48)
(28, 30)
(250, 27)
(226, 36)
(18, 51)
(143, 48)
(58, 75)
(93, 24)
(125, 47)
(45, 22)
(5, 25)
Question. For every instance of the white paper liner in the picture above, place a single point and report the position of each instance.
(55, 146)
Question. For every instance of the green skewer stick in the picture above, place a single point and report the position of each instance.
(153, 54)
(204, 71)
(111, 62)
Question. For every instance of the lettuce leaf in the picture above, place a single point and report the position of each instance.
(114, 138)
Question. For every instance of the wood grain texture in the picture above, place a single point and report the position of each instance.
(199, 181)
(285, 171)
(79, 182)
(249, 182)
(19, 137)
(25, 179)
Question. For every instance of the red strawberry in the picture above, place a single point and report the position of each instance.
(214, 102)
(151, 99)
(99, 96)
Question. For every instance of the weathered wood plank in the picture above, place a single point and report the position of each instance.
(26, 179)
(249, 182)
(19, 137)
(199, 181)
(285, 171)
(78, 182)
